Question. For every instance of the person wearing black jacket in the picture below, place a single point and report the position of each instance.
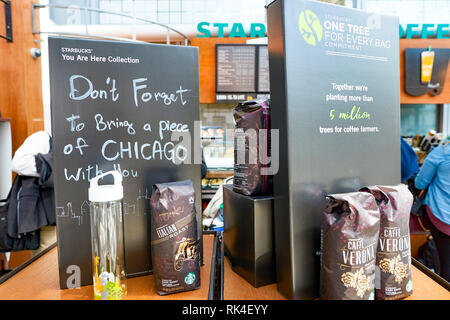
(32, 201)
(204, 166)
(29, 207)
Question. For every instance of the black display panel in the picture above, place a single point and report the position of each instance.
(263, 69)
(115, 106)
(335, 99)
(413, 69)
(242, 72)
(236, 68)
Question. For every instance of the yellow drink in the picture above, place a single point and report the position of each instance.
(427, 66)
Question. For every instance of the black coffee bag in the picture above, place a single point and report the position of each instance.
(350, 227)
(252, 148)
(175, 248)
(393, 265)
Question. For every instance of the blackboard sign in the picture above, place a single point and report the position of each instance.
(119, 106)
(335, 93)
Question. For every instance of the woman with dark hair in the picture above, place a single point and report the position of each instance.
(435, 174)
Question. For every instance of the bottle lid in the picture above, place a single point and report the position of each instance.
(109, 192)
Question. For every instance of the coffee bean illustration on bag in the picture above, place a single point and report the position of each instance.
(175, 248)
(393, 265)
(251, 151)
(350, 228)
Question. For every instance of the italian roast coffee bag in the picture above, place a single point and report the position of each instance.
(350, 227)
(251, 151)
(393, 264)
(175, 248)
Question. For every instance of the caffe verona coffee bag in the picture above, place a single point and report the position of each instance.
(174, 246)
(252, 148)
(350, 227)
(393, 265)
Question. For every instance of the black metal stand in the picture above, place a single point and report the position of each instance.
(217, 261)
(8, 21)
(430, 273)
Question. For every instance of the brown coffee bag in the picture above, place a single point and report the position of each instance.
(251, 151)
(174, 246)
(350, 228)
(393, 265)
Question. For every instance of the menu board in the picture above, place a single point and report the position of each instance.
(263, 69)
(236, 68)
(127, 107)
(242, 72)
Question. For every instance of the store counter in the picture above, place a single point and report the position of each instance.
(236, 287)
(40, 281)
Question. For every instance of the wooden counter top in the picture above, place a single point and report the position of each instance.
(40, 281)
(219, 174)
(424, 288)
(235, 287)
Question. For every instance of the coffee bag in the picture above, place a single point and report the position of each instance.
(252, 148)
(174, 246)
(350, 228)
(393, 263)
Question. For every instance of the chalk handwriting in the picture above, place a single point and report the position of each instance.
(82, 88)
(81, 143)
(91, 171)
(113, 150)
(165, 125)
(73, 125)
(90, 91)
(102, 125)
(167, 98)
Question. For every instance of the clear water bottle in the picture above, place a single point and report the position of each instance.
(107, 238)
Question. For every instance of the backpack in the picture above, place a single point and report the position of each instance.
(429, 256)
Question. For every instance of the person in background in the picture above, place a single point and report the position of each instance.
(435, 174)
(204, 166)
(409, 162)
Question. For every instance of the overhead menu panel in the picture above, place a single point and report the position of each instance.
(236, 68)
(263, 69)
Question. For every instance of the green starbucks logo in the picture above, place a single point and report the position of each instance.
(310, 27)
(190, 278)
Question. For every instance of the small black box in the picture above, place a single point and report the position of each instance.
(249, 236)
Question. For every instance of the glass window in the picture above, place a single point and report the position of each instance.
(175, 17)
(412, 11)
(409, 11)
(217, 135)
(163, 17)
(163, 6)
(185, 11)
(419, 118)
